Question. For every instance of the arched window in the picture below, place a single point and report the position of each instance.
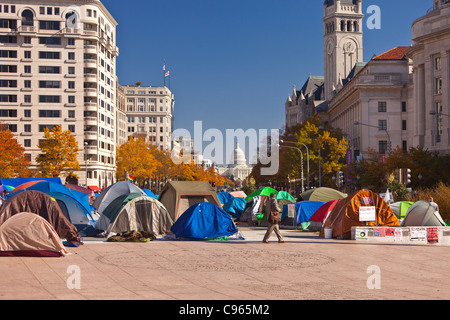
(27, 18)
(349, 26)
(342, 25)
(355, 26)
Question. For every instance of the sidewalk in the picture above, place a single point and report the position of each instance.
(305, 267)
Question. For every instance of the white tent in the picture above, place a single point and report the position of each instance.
(114, 191)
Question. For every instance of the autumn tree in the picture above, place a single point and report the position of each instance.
(59, 151)
(135, 157)
(312, 134)
(13, 163)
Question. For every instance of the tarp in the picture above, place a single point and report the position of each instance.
(422, 213)
(251, 209)
(285, 195)
(78, 188)
(266, 191)
(150, 193)
(18, 181)
(204, 221)
(303, 210)
(114, 191)
(401, 208)
(45, 206)
(322, 194)
(322, 213)
(178, 196)
(235, 206)
(135, 212)
(27, 234)
(224, 197)
(345, 214)
(238, 194)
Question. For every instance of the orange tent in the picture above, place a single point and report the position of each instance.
(345, 214)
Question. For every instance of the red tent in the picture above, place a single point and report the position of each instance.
(322, 213)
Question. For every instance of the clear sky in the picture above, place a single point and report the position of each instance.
(234, 62)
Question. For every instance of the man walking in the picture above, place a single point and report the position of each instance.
(273, 213)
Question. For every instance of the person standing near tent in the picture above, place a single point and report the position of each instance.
(434, 204)
(273, 213)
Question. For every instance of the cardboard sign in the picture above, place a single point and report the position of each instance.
(367, 214)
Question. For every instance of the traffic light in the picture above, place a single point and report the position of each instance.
(408, 176)
(341, 180)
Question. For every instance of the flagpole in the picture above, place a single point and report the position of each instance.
(164, 72)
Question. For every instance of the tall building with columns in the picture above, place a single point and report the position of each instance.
(430, 53)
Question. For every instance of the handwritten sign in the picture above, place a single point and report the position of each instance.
(367, 214)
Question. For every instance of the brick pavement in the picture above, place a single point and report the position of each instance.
(305, 267)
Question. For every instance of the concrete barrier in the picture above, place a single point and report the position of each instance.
(403, 235)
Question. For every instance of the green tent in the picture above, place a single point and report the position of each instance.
(266, 191)
(401, 208)
(285, 195)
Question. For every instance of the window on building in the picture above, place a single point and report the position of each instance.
(49, 25)
(27, 128)
(49, 84)
(27, 143)
(405, 145)
(49, 113)
(382, 146)
(27, 113)
(49, 55)
(403, 106)
(438, 85)
(382, 125)
(382, 106)
(404, 125)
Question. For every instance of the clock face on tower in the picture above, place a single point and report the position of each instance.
(349, 46)
(330, 47)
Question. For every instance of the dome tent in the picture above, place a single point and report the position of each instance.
(204, 221)
(45, 206)
(112, 192)
(345, 214)
(422, 213)
(224, 197)
(178, 196)
(266, 191)
(28, 235)
(135, 212)
(322, 194)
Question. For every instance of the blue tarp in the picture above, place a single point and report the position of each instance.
(303, 210)
(224, 197)
(235, 207)
(150, 194)
(204, 221)
(18, 181)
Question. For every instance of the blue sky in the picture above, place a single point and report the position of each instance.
(234, 62)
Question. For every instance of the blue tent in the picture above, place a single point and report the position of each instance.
(204, 221)
(76, 214)
(48, 186)
(224, 197)
(18, 181)
(235, 207)
(303, 210)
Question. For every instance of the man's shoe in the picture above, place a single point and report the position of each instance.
(267, 242)
(282, 241)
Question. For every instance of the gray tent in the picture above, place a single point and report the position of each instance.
(135, 212)
(109, 194)
(422, 213)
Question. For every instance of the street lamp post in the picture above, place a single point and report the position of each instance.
(307, 158)
(85, 162)
(301, 153)
(356, 123)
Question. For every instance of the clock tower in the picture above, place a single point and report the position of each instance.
(343, 41)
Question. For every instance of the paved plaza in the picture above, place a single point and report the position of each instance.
(305, 267)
